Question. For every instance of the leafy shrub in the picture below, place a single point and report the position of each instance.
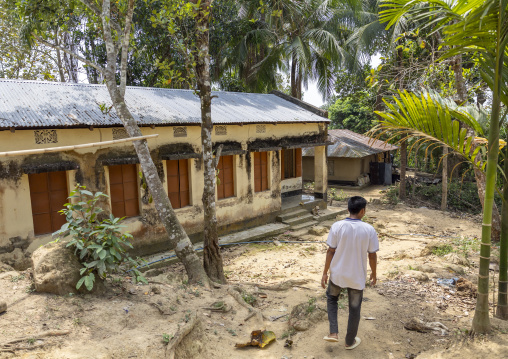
(337, 196)
(462, 195)
(99, 244)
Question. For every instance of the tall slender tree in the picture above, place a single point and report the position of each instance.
(473, 27)
(115, 22)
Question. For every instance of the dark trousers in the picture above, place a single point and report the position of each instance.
(355, 297)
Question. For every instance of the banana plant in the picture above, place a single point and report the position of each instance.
(479, 28)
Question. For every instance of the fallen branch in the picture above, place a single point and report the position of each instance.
(179, 336)
(162, 311)
(280, 287)
(54, 333)
(235, 293)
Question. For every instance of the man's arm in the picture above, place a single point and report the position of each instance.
(373, 267)
(329, 256)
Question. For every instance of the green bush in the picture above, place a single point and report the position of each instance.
(98, 243)
(462, 195)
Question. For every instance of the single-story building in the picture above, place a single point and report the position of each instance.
(262, 137)
(353, 159)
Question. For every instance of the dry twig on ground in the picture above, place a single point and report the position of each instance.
(179, 336)
(7, 346)
(235, 293)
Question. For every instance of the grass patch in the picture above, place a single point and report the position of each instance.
(249, 298)
(287, 333)
(312, 305)
(442, 250)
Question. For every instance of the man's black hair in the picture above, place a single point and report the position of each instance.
(356, 204)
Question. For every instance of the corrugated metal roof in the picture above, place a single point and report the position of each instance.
(56, 104)
(345, 143)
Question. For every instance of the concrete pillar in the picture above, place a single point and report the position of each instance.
(320, 173)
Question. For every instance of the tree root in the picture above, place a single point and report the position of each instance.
(179, 336)
(7, 346)
(280, 287)
(235, 293)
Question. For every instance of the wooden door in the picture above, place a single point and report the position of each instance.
(226, 185)
(178, 183)
(48, 194)
(123, 183)
(260, 171)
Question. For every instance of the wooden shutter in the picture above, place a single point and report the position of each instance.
(123, 184)
(298, 162)
(183, 167)
(257, 172)
(260, 171)
(48, 194)
(226, 187)
(264, 171)
(178, 183)
(282, 168)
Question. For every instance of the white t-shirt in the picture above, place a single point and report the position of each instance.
(352, 240)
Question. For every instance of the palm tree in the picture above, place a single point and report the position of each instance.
(471, 27)
(304, 37)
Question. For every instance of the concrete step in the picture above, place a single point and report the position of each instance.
(297, 220)
(301, 226)
(329, 214)
(293, 214)
(254, 234)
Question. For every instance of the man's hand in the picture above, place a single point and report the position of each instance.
(373, 279)
(324, 280)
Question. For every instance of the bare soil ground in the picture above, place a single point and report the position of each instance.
(134, 321)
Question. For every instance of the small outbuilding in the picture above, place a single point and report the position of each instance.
(353, 160)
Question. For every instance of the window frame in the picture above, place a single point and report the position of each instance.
(296, 163)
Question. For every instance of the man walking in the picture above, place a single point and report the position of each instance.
(350, 242)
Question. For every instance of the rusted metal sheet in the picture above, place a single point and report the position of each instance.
(28, 104)
(345, 143)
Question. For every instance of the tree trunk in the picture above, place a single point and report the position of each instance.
(211, 252)
(479, 175)
(502, 296)
(403, 164)
(481, 320)
(59, 59)
(70, 62)
(444, 195)
(178, 239)
(294, 69)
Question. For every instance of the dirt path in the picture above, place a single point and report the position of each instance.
(130, 321)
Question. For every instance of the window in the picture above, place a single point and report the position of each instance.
(226, 183)
(123, 185)
(291, 163)
(329, 165)
(48, 194)
(178, 183)
(260, 171)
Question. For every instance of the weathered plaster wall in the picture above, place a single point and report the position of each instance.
(344, 169)
(16, 226)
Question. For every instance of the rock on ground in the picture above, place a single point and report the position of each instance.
(457, 259)
(420, 276)
(304, 315)
(318, 230)
(456, 268)
(3, 307)
(56, 270)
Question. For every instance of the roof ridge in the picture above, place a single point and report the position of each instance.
(79, 84)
